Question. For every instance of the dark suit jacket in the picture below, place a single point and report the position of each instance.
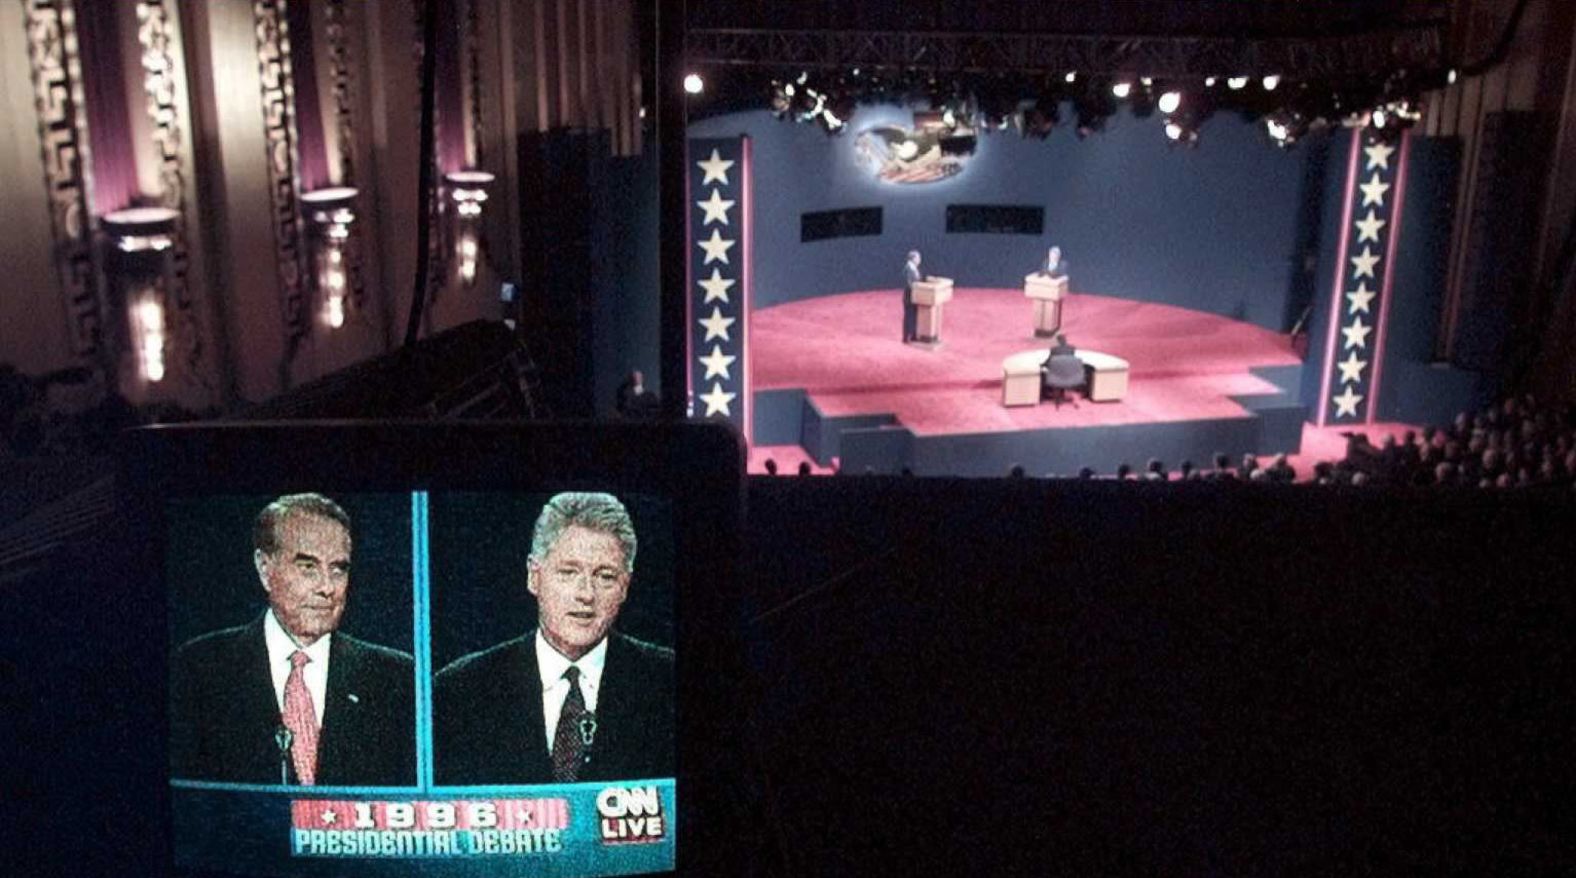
(223, 713)
(488, 726)
(911, 276)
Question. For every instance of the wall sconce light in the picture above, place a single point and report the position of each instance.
(140, 237)
(468, 191)
(331, 211)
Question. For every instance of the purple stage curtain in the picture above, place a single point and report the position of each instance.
(311, 146)
(114, 161)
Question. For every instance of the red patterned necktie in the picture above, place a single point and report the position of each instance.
(301, 719)
(569, 739)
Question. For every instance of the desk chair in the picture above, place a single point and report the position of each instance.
(1062, 373)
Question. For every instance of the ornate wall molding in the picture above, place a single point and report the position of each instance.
(63, 143)
(273, 63)
(161, 90)
(437, 242)
(339, 71)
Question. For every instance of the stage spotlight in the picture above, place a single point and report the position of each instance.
(1121, 90)
(1182, 132)
(1271, 82)
(1209, 82)
(693, 84)
(1285, 127)
(1071, 76)
(1378, 118)
(1237, 83)
(1450, 78)
(1170, 101)
(839, 109)
(1146, 81)
(782, 99)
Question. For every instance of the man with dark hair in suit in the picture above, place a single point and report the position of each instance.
(911, 276)
(289, 698)
(572, 700)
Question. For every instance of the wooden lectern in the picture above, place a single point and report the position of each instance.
(930, 295)
(1047, 293)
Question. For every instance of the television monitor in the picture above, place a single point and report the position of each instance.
(396, 649)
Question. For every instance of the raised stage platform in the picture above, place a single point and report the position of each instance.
(831, 376)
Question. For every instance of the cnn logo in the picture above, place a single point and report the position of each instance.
(630, 815)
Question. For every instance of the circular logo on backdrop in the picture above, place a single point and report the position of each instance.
(897, 155)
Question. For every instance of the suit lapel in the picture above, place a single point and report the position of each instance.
(259, 706)
(342, 707)
(612, 707)
(526, 682)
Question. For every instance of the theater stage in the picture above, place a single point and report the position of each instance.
(832, 378)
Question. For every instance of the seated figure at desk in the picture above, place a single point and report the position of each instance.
(1062, 370)
(1054, 265)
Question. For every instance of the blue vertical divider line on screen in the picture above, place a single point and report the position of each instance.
(422, 601)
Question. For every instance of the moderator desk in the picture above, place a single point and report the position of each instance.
(1020, 379)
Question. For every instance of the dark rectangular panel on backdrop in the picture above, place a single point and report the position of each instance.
(851, 223)
(995, 219)
(719, 220)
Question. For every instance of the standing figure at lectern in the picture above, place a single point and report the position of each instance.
(911, 276)
(1054, 265)
(1046, 288)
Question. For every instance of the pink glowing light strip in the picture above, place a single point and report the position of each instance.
(1389, 273)
(747, 282)
(1340, 278)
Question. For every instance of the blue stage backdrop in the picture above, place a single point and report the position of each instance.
(1214, 228)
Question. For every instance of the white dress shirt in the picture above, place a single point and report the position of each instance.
(555, 688)
(280, 647)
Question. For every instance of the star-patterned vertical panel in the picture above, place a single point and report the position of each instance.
(1359, 306)
(719, 278)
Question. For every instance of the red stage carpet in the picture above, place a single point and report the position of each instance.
(1186, 365)
(844, 351)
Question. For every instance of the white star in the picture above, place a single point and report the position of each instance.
(1357, 333)
(716, 287)
(1360, 298)
(1368, 227)
(716, 169)
(1351, 368)
(1363, 265)
(716, 325)
(1379, 156)
(1374, 190)
(716, 248)
(717, 364)
(716, 208)
(329, 817)
(1346, 403)
(717, 402)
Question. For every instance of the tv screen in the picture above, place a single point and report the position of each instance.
(472, 667)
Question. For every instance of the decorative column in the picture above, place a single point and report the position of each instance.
(63, 142)
(719, 278)
(273, 63)
(1360, 301)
